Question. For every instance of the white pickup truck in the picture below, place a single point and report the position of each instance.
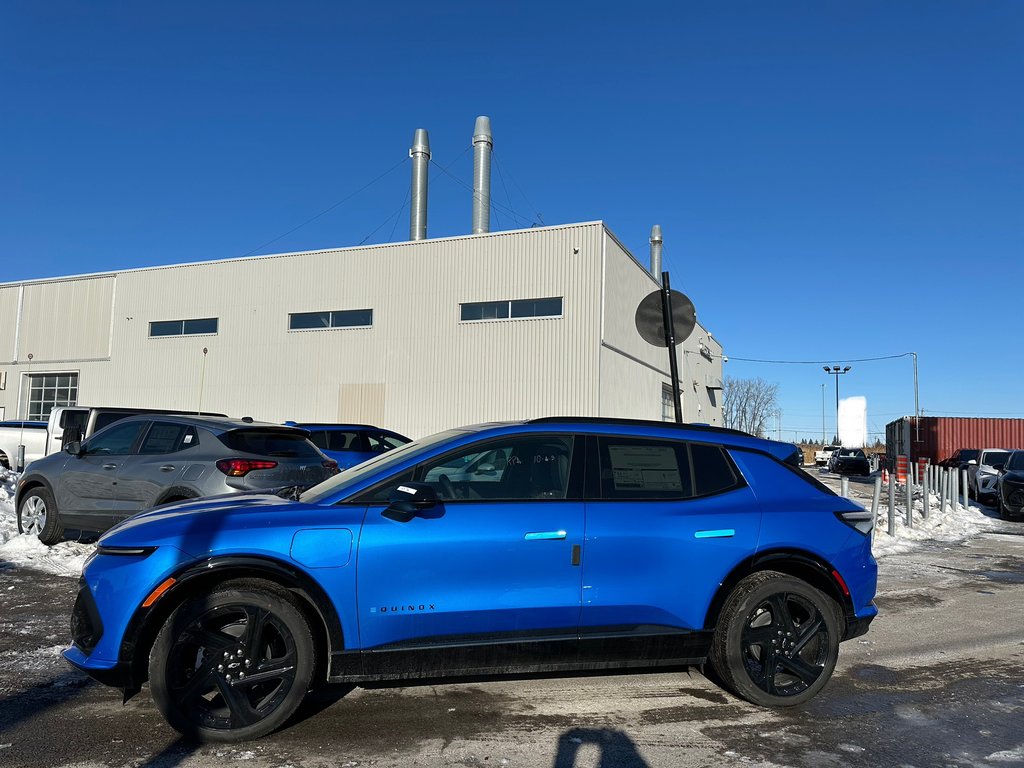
(821, 457)
(66, 424)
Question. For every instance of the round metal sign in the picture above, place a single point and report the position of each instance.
(650, 319)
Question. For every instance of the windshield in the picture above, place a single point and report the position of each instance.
(967, 455)
(350, 477)
(852, 452)
(991, 458)
(1016, 461)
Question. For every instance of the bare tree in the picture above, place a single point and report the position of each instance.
(748, 404)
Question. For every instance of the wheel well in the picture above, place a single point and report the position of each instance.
(800, 565)
(29, 486)
(4, 461)
(177, 493)
(308, 598)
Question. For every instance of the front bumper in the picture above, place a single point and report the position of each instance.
(987, 484)
(1012, 496)
(117, 675)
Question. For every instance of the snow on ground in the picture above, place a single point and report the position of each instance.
(64, 559)
(956, 523)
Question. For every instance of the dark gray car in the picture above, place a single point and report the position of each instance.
(153, 459)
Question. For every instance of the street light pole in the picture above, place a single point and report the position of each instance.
(836, 371)
(917, 406)
(822, 415)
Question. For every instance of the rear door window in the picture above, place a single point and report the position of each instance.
(168, 437)
(270, 443)
(336, 440)
(633, 468)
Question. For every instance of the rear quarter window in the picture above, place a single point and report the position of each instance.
(269, 443)
(712, 470)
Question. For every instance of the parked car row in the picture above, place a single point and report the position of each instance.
(140, 460)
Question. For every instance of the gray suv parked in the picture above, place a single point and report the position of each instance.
(147, 460)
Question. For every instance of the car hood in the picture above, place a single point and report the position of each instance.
(219, 523)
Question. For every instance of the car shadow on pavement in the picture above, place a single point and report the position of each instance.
(172, 755)
(616, 749)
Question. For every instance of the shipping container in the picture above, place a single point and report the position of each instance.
(936, 437)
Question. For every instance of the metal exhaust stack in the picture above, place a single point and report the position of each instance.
(483, 143)
(656, 243)
(420, 154)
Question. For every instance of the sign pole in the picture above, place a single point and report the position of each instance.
(670, 341)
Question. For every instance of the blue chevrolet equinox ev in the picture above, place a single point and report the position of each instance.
(553, 544)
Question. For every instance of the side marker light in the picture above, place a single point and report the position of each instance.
(156, 593)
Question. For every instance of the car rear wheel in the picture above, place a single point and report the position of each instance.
(37, 516)
(232, 665)
(777, 640)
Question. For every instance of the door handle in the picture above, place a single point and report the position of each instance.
(545, 536)
(110, 466)
(167, 468)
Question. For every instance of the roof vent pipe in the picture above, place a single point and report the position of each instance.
(656, 243)
(483, 144)
(420, 154)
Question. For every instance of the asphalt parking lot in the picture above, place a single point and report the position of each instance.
(939, 681)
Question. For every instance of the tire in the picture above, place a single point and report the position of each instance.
(37, 515)
(209, 646)
(777, 640)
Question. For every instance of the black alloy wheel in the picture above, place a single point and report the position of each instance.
(777, 640)
(232, 665)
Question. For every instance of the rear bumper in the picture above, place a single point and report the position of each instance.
(857, 626)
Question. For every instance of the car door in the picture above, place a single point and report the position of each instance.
(87, 486)
(495, 562)
(156, 467)
(666, 522)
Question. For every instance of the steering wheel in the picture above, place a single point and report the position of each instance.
(447, 487)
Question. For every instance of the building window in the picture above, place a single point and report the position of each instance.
(45, 391)
(668, 407)
(518, 308)
(202, 326)
(346, 318)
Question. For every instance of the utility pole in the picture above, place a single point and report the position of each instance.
(836, 371)
(823, 415)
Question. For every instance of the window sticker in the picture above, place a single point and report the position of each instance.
(645, 468)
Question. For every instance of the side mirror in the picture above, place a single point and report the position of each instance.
(972, 463)
(408, 500)
(74, 448)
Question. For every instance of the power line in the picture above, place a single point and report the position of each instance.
(539, 217)
(818, 362)
(328, 210)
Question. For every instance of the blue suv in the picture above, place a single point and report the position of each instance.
(553, 544)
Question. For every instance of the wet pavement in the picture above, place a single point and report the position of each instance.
(939, 681)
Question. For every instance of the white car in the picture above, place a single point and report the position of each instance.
(983, 473)
(821, 457)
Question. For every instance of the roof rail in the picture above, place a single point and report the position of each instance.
(636, 422)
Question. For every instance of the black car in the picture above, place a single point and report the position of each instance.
(849, 461)
(1010, 486)
(959, 459)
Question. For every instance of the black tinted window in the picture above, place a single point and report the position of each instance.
(269, 443)
(644, 469)
(712, 469)
(116, 441)
(166, 437)
(109, 417)
(335, 440)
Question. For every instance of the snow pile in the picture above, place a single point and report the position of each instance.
(64, 559)
(956, 523)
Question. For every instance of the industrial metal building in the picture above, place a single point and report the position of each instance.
(416, 336)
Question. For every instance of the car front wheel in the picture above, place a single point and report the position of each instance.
(777, 640)
(37, 516)
(232, 665)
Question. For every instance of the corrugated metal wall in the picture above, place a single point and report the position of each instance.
(9, 322)
(937, 437)
(418, 369)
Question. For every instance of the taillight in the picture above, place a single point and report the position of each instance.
(332, 467)
(242, 467)
(861, 519)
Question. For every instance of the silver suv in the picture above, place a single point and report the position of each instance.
(147, 460)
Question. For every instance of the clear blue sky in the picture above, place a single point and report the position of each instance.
(835, 180)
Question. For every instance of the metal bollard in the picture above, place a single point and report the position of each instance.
(875, 497)
(924, 492)
(943, 479)
(913, 471)
(910, 504)
(965, 489)
(953, 489)
(844, 487)
(21, 458)
(892, 506)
